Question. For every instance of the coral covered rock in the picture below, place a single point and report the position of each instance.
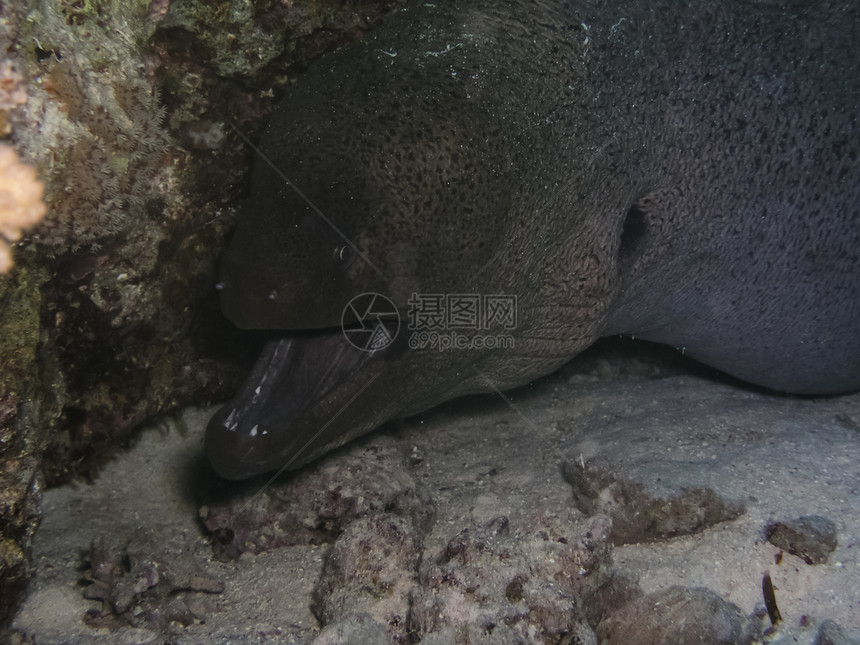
(640, 517)
(495, 585)
(317, 504)
(371, 569)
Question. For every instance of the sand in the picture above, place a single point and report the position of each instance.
(484, 457)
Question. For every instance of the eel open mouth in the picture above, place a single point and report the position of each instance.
(283, 413)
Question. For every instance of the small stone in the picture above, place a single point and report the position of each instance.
(674, 616)
(371, 569)
(811, 537)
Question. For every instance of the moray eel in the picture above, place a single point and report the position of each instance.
(684, 172)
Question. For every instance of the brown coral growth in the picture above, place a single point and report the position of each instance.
(107, 166)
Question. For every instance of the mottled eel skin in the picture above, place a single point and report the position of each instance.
(685, 172)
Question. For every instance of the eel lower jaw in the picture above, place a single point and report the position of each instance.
(275, 420)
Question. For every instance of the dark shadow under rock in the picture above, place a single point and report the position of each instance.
(638, 517)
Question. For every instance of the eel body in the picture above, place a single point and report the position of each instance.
(682, 172)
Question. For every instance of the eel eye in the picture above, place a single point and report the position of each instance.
(344, 255)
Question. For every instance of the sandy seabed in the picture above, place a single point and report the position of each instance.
(482, 458)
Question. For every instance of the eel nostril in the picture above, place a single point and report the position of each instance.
(343, 255)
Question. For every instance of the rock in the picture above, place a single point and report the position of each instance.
(615, 592)
(371, 570)
(675, 616)
(497, 585)
(639, 517)
(811, 537)
(26, 416)
(20, 498)
(318, 503)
